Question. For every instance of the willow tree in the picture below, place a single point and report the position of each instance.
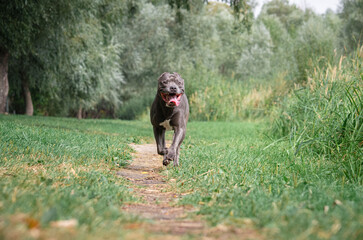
(351, 13)
(23, 25)
(21, 22)
(62, 50)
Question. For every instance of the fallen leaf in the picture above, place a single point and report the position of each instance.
(132, 226)
(32, 223)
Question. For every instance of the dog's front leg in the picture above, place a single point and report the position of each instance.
(172, 154)
(159, 134)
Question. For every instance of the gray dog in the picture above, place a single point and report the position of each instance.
(170, 111)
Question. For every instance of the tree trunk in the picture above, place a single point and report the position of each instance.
(79, 113)
(27, 96)
(4, 82)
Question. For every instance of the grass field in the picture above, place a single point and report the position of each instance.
(58, 169)
(55, 169)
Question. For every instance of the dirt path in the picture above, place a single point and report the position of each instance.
(167, 219)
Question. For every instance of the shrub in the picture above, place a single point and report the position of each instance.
(214, 97)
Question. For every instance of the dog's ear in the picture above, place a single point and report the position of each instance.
(162, 76)
(178, 77)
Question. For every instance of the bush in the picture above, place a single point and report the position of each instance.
(135, 106)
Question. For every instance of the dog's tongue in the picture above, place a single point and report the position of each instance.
(173, 101)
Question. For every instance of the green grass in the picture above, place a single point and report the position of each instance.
(238, 177)
(58, 168)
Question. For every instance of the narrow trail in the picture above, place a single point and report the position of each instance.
(168, 220)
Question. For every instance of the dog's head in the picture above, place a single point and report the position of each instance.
(171, 88)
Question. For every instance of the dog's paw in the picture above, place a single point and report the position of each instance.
(166, 162)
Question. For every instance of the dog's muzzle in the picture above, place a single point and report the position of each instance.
(171, 99)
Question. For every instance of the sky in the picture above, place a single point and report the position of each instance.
(319, 6)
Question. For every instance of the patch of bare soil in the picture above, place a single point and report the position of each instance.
(167, 219)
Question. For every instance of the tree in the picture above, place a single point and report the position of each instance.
(255, 58)
(19, 21)
(314, 46)
(352, 14)
(289, 14)
(62, 51)
(4, 83)
(23, 24)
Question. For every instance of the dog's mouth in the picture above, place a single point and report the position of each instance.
(171, 99)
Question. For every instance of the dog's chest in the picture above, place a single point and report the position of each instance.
(166, 125)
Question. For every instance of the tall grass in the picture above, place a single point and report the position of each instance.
(324, 118)
(214, 97)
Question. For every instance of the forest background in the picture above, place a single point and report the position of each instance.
(97, 59)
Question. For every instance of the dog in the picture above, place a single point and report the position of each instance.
(170, 111)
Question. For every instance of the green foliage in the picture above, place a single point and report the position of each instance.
(313, 46)
(289, 14)
(324, 117)
(256, 56)
(136, 106)
(104, 57)
(89, 54)
(21, 23)
(85, 62)
(69, 58)
(213, 97)
(352, 30)
(282, 61)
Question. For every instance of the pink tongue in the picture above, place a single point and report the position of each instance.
(174, 101)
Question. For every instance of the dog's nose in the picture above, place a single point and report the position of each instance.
(172, 89)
